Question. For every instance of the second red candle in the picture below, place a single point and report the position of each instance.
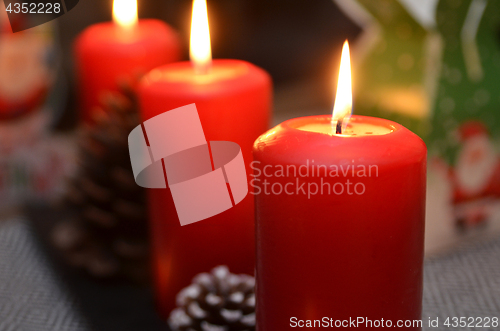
(233, 101)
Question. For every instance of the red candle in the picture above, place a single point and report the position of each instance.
(233, 99)
(339, 221)
(112, 51)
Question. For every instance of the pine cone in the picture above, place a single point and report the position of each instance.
(108, 235)
(220, 301)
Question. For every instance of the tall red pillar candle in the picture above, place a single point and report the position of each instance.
(106, 53)
(340, 207)
(233, 99)
(339, 221)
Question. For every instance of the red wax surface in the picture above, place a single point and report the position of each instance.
(106, 53)
(234, 103)
(343, 255)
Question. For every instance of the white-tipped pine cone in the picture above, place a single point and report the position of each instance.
(216, 301)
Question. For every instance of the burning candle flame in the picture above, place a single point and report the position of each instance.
(200, 51)
(342, 108)
(125, 13)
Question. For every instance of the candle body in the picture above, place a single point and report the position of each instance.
(354, 250)
(106, 53)
(233, 102)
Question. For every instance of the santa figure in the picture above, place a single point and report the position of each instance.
(25, 74)
(476, 177)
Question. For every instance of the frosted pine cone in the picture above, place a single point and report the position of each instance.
(219, 301)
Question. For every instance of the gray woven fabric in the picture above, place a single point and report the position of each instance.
(31, 298)
(465, 283)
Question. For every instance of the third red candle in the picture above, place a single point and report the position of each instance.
(340, 223)
(340, 208)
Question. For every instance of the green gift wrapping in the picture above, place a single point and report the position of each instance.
(434, 66)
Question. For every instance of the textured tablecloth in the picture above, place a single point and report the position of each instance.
(32, 297)
(465, 283)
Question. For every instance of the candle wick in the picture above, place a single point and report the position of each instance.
(338, 129)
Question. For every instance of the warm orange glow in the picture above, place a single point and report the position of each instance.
(343, 100)
(200, 51)
(125, 13)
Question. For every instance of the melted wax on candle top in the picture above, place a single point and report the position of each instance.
(183, 73)
(357, 127)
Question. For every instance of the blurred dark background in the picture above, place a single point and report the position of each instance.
(298, 42)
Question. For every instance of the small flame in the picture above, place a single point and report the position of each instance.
(343, 100)
(125, 13)
(200, 51)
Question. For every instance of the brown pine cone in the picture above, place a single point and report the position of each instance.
(108, 236)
